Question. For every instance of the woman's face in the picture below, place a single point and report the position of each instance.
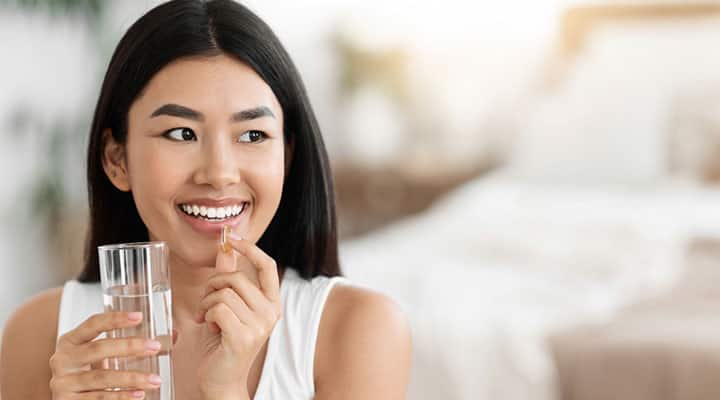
(205, 138)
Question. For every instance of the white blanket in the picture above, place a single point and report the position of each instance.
(487, 273)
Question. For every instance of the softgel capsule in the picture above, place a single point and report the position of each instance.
(225, 239)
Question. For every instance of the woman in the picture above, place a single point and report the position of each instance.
(203, 121)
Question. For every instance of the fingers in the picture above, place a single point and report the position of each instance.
(101, 364)
(234, 305)
(229, 297)
(98, 350)
(76, 349)
(263, 263)
(79, 348)
(232, 292)
(113, 395)
(238, 282)
(102, 379)
(226, 320)
(99, 323)
(225, 262)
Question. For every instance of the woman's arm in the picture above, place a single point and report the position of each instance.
(364, 347)
(27, 344)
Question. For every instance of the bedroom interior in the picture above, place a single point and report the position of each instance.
(537, 185)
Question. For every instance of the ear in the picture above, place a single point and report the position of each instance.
(114, 162)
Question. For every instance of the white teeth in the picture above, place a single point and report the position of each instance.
(213, 212)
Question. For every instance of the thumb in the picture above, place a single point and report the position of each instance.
(225, 262)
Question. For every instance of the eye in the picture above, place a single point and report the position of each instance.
(253, 137)
(180, 134)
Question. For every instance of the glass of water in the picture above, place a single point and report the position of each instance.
(136, 277)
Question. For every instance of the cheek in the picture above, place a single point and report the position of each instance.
(154, 178)
(270, 179)
(266, 181)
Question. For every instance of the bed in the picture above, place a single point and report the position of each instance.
(492, 271)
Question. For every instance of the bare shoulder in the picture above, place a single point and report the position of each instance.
(364, 347)
(28, 341)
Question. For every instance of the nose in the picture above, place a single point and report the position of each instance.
(218, 166)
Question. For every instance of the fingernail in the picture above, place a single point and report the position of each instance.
(153, 345)
(154, 379)
(139, 394)
(135, 316)
(234, 236)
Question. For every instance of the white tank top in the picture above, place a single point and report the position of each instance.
(288, 370)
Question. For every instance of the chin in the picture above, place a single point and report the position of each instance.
(197, 256)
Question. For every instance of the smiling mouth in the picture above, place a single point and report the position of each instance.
(213, 214)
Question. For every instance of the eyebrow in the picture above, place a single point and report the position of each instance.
(176, 110)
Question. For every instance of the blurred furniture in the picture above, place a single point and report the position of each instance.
(579, 21)
(694, 134)
(370, 198)
(398, 146)
(666, 348)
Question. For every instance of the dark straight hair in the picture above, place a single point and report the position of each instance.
(303, 233)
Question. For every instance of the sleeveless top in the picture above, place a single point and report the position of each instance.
(288, 372)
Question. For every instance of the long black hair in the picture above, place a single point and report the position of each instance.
(303, 233)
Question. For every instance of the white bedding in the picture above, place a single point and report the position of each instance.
(487, 273)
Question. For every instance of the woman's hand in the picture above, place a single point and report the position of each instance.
(240, 317)
(77, 352)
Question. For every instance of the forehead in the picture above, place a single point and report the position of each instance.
(218, 85)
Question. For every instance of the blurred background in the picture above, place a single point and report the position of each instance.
(534, 182)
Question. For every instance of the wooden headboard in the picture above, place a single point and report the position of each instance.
(577, 22)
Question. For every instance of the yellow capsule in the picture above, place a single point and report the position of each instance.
(225, 239)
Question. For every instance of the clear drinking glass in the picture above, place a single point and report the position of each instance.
(135, 277)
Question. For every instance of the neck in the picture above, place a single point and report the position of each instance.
(188, 286)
